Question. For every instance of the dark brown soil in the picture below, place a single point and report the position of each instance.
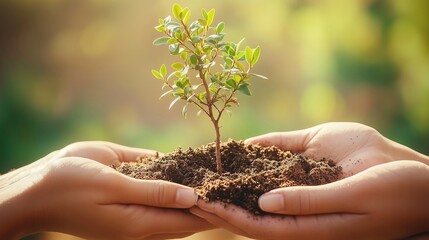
(249, 171)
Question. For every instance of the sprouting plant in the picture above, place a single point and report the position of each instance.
(210, 71)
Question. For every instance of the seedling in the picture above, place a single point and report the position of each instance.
(210, 71)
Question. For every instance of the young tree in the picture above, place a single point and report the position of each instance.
(210, 71)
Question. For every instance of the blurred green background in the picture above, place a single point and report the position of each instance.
(80, 70)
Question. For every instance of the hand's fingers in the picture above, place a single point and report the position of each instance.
(229, 215)
(324, 226)
(337, 197)
(166, 220)
(139, 222)
(130, 154)
(217, 221)
(294, 141)
(104, 152)
(158, 193)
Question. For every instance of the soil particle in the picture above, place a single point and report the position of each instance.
(248, 171)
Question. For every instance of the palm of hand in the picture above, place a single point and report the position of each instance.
(94, 199)
(352, 146)
(350, 208)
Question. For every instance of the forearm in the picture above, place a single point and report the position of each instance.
(17, 201)
(10, 213)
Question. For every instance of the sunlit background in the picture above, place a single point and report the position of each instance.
(80, 70)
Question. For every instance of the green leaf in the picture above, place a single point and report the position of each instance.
(177, 10)
(185, 14)
(179, 84)
(185, 81)
(210, 16)
(204, 13)
(195, 39)
(214, 79)
(249, 55)
(174, 102)
(193, 59)
(194, 26)
(244, 89)
(240, 56)
(172, 26)
(202, 22)
(213, 89)
(179, 92)
(163, 70)
(160, 28)
(183, 55)
(174, 48)
(219, 28)
(256, 54)
(156, 74)
(178, 34)
(172, 41)
(177, 66)
(228, 62)
(230, 83)
(240, 66)
(202, 96)
(215, 38)
(160, 41)
(237, 78)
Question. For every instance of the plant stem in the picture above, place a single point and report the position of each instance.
(218, 157)
(209, 99)
(215, 121)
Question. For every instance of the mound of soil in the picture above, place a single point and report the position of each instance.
(249, 171)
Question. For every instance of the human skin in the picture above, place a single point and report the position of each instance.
(75, 191)
(382, 196)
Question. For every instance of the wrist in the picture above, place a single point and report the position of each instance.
(18, 200)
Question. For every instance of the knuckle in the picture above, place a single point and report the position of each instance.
(161, 193)
(70, 149)
(304, 201)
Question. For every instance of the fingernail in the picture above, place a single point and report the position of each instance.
(186, 197)
(271, 202)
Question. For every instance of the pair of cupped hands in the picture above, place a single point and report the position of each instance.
(384, 193)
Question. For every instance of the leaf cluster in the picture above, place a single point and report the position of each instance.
(209, 70)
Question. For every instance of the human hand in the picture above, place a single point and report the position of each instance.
(387, 201)
(74, 191)
(353, 146)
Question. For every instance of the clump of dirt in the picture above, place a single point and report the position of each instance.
(249, 171)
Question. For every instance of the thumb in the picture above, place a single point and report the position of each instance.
(294, 141)
(336, 197)
(156, 193)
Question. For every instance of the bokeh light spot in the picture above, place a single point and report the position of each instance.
(318, 102)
